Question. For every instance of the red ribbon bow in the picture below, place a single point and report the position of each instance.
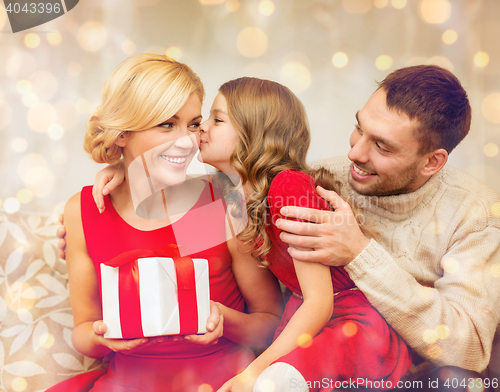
(129, 290)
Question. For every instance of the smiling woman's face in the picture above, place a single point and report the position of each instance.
(167, 149)
(218, 136)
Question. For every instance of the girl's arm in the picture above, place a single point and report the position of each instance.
(316, 285)
(261, 292)
(309, 319)
(84, 291)
(315, 281)
(106, 180)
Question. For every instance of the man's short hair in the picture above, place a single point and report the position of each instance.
(435, 98)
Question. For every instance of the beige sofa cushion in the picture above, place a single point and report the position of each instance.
(35, 314)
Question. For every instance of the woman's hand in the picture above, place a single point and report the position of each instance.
(215, 326)
(106, 181)
(243, 382)
(126, 346)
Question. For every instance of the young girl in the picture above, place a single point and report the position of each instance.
(151, 110)
(329, 332)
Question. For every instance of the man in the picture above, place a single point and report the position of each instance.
(432, 268)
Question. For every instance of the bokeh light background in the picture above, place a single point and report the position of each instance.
(329, 52)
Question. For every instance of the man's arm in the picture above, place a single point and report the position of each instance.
(452, 323)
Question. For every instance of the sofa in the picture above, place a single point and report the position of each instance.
(35, 313)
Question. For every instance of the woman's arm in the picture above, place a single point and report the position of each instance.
(84, 291)
(263, 298)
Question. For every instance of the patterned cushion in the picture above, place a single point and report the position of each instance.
(35, 313)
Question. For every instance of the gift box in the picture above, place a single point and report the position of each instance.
(145, 294)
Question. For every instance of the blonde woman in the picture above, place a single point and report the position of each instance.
(329, 333)
(151, 110)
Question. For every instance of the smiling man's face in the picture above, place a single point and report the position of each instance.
(384, 151)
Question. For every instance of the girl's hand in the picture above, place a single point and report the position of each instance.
(215, 326)
(106, 181)
(243, 382)
(61, 233)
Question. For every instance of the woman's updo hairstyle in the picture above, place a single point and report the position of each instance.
(144, 91)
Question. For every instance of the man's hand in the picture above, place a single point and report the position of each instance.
(61, 233)
(334, 236)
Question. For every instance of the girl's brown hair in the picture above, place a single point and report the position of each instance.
(274, 136)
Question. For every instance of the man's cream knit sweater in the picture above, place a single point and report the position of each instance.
(433, 272)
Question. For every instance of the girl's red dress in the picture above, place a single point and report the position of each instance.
(356, 346)
(170, 366)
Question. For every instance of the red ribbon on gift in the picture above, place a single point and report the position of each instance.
(128, 282)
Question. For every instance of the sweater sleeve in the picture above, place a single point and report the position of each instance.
(454, 322)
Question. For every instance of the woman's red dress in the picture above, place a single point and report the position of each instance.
(170, 366)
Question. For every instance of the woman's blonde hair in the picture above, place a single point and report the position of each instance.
(141, 93)
(274, 136)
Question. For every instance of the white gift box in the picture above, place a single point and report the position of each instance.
(144, 298)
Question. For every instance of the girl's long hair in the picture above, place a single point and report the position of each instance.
(274, 136)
